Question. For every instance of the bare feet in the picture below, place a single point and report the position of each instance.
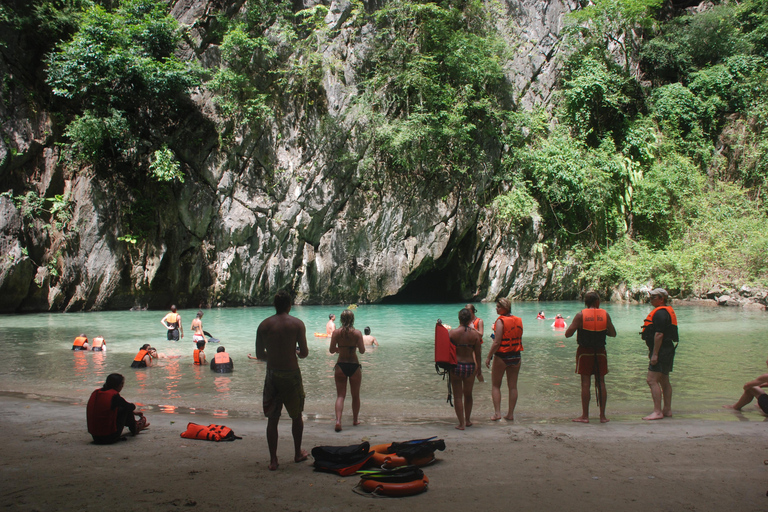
(338, 427)
(667, 414)
(496, 417)
(581, 419)
(733, 407)
(604, 420)
(654, 416)
(469, 423)
(459, 427)
(356, 423)
(273, 465)
(301, 456)
(510, 417)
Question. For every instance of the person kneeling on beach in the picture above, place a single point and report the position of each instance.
(108, 413)
(221, 362)
(753, 389)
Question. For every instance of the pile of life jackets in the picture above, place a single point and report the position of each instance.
(210, 433)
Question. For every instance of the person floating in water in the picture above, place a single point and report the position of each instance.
(331, 325)
(143, 358)
(468, 341)
(172, 322)
(559, 323)
(80, 343)
(753, 389)
(368, 339)
(346, 342)
(108, 413)
(591, 326)
(277, 339)
(541, 316)
(221, 362)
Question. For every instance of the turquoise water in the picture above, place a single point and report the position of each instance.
(720, 349)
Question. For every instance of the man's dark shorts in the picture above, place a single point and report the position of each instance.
(762, 401)
(283, 388)
(665, 363)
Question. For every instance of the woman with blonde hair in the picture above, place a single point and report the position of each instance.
(347, 341)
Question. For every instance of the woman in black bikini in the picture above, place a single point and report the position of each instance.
(346, 341)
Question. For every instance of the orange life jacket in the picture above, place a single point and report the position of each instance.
(78, 343)
(98, 342)
(209, 433)
(476, 324)
(559, 323)
(648, 332)
(221, 358)
(594, 327)
(196, 356)
(140, 356)
(101, 417)
(511, 338)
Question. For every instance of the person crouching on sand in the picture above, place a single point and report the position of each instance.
(108, 413)
(467, 341)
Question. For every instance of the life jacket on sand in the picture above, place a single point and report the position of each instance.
(210, 433)
(342, 460)
(403, 481)
(78, 343)
(511, 338)
(101, 417)
(594, 326)
(417, 452)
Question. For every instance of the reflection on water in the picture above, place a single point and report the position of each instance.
(720, 349)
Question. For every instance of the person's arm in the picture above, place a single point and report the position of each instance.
(118, 402)
(576, 325)
(478, 358)
(165, 323)
(360, 342)
(760, 382)
(261, 346)
(374, 342)
(147, 360)
(181, 326)
(657, 339)
(203, 360)
(480, 327)
(499, 332)
(333, 348)
(661, 320)
(610, 329)
(302, 341)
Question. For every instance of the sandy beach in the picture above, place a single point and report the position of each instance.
(49, 463)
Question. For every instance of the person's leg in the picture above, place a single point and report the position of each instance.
(666, 393)
(497, 373)
(654, 382)
(743, 400)
(512, 373)
(468, 384)
(297, 429)
(272, 422)
(341, 394)
(586, 396)
(600, 384)
(457, 384)
(354, 384)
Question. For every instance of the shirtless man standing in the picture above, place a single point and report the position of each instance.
(331, 325)
(279, 339)
(197, 328)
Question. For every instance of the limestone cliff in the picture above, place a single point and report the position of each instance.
(268, 209)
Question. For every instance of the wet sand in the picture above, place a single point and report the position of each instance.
(49, 463)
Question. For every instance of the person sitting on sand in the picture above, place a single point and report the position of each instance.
(143, 359)
(108, 413)
(331, 325)
(468, 341)
(505, 351)
(369, 340)
(346, 341)
(591, 326)
(753, 389)
(221, 362)
(276, 340)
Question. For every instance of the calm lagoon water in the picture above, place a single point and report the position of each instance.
(720, 349)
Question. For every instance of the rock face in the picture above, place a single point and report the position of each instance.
(271, 210)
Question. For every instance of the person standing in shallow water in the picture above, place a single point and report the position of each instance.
(505, 351)
(592, 325)
(279, 340)
(660, 334)
(347, 341)
(468, 341)
(172, 322)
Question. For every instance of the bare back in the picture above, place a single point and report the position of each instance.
(467, 341)
(346, 342)
(277, 340)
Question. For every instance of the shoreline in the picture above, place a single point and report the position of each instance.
(49, 463)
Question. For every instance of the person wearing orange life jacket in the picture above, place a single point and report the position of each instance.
(80, 343)
(660, 334)
(559, 323)
(143, 359)
(198, 355)
(99, 345)
(505, 351)
(221, 362)
(592, 325)
(172, 322)
(108, 413)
